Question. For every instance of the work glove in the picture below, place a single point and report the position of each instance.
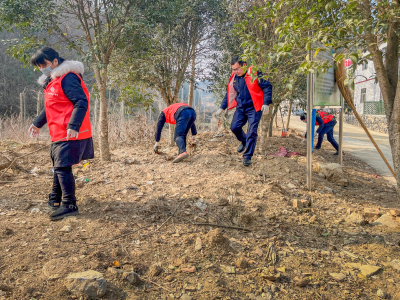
(219, 112)
(72, 134)
(265, 109)
(34, 131)
(193, 140)
(156, 146)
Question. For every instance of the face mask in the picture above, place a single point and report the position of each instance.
(46, 71)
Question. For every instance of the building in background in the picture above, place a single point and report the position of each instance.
(367, 96)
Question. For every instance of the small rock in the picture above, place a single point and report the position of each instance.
(155, 270)
(186, 297)
(198, 219)
(89, 283)
(368, 270)
(66, 229)
(395, 212)
(329, 190)
(378, 239)
(198, 244)
(258, 251)
(223, 202)
(130, 277)
(337, 276)
(270, 276)
(302, 282)
(274, 288)
(381, 294)
(353, 265)
(386, 220)
(188, 270)
(371, 212)
(291, 186)
(395, 264)
(201, 204)
(242, 263)
(130, 161)
(355, 219)
(228, 269)
(246, 218)
(297, 204)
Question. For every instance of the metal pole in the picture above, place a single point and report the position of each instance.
(341, 131)
(309, 131)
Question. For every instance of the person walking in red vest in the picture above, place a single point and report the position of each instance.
(326, 124)
(251, 100)
(66, 112)
(183, 116)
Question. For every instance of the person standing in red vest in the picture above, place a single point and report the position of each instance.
(183, 116)
(326, 124)
(66, 112)
(251, 100)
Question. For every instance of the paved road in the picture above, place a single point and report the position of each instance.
(356, 141)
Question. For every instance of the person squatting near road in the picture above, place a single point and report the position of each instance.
(251, 100)
(183, 116)
(326, 124)
(66, 112)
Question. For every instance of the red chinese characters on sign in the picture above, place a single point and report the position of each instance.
(347, 63)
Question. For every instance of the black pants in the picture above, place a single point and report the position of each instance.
(63, 185)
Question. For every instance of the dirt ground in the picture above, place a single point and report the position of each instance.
(144, 214)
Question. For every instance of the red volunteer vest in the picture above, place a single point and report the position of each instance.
(325, 117)
(170, 111)
(59, 110)
(254, 89)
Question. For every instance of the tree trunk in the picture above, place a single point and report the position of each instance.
(171, 135)
(276, 118)
(96, 101)
(289, 114)
(24, 97)
(265, 124)
(21, 106)
(191, 84)
(271, 123)
(101, 80)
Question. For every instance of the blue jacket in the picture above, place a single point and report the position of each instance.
(243, 97)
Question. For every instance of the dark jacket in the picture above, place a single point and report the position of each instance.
(243, 97)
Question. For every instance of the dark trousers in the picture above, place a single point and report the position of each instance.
(240, 118)
(63, 185)
(184, 122)
(328, 130)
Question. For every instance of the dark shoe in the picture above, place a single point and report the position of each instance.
(337, 153)
(242, 147)
(180, 157)
(54, 202)
(65, 210)
(317, 148)
(246, 162)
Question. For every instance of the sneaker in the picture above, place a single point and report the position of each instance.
(53, 203)
(242, 147)
(337, 153)
(65, 210)
(246, 162)
(180, 157)
(317, 148)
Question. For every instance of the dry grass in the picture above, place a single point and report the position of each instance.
(127, 131)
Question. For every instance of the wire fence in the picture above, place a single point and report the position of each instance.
(374, 108)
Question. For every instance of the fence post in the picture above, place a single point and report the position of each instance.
(21, 106)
